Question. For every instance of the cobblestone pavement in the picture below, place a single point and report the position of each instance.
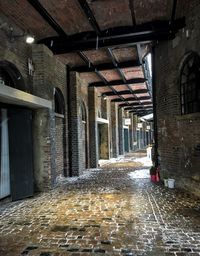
(105, 212)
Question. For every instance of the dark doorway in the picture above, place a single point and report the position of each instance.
(20, 153)
(126, 140)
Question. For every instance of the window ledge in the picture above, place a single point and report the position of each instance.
(192, 116)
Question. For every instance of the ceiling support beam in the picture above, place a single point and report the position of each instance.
(106, 66)
(131, 7)
(139, 107)
(47, 17)
(125, 92)
(142, 111)
(118, 82)
(121, 74)
(89, 14)
(173, 11)
(133, 99)
(121, 36)
(134, 104)
(104, 81)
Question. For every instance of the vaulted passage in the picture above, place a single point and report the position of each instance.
(85, 83)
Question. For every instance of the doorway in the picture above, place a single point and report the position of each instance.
(103, 141)
(126, 139)
(16, 161)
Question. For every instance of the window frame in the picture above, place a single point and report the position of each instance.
(190, 84)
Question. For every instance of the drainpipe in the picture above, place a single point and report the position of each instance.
(154, 108)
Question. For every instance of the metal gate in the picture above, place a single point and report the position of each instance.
(4, 155)
(21, 162)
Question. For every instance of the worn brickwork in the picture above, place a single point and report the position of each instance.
(114, 125)
(48, 73)
(77, 125)
(10, 49)
(59, 146)
(85, 122)
(93, 113)
(178, 136)
(121, 130)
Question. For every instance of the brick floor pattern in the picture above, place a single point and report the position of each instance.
(106, 214)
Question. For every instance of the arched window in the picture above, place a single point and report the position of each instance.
(190, 84)
(83, 112)
(10, 76)
(59, 102)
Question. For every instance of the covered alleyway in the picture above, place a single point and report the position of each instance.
(106, 211)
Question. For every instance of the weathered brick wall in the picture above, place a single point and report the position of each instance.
(85, 125)
(59, 159)
(49, 72)
(114, 130)
(178, 137)
(15, 50)
(121, 130)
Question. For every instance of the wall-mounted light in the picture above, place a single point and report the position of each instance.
(29, 39)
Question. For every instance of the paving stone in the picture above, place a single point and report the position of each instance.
(105, 212)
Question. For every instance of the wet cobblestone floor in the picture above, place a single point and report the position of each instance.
(105, 212)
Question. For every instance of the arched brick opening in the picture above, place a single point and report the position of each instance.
(60, 133)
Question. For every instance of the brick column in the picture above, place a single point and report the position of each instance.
(121, 130)
(115, 132)
(93, 135)
(44, 149)
(131, 133)
(75, 124)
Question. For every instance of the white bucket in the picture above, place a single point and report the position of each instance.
(171, 183)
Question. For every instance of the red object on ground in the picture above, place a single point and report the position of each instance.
(158, 174)
(153, 178)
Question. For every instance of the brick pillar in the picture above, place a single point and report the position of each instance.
(44, 149)
(115, 132)
(93, 135)
(75, 124)
(121, 130)
(131, 133)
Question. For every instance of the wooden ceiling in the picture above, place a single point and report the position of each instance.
(104, 40)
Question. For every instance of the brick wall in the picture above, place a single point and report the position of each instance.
(121, 130)
(178, 136)
(59, 158)
(49, 72)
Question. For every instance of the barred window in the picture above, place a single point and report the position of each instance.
(190, 84)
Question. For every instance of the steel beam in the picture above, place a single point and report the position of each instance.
(132, 99)
(106, 66)
(89, 14)
(125, 92)
(137, 80)
(47, 17)
(131, 7)
(173, 11)
(120, 36)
